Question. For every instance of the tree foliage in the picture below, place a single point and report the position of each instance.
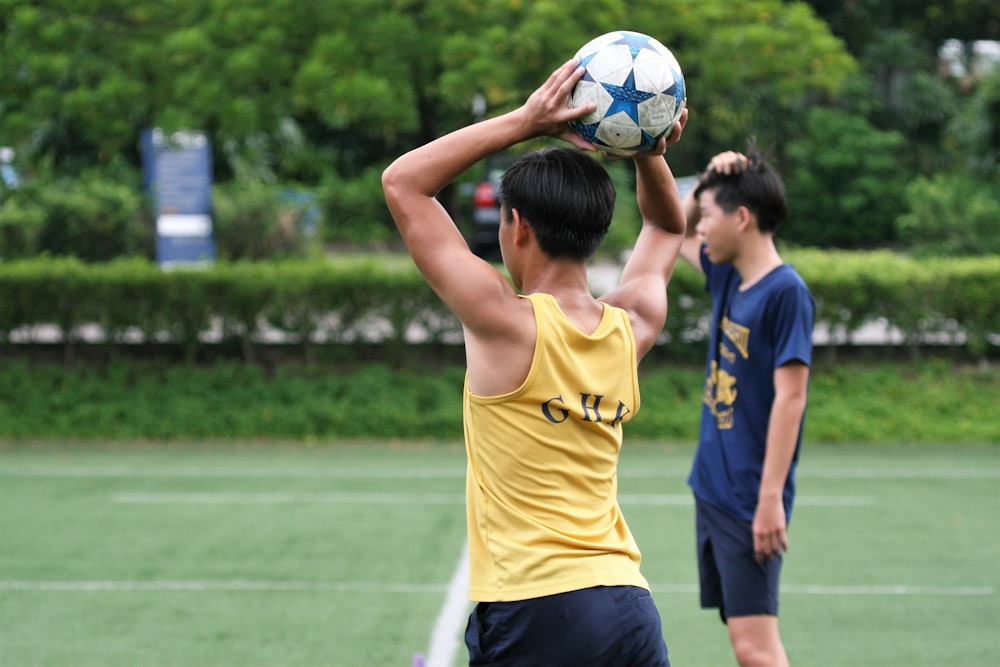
(860, 23)
(324, 94)
(755, 67)
(976, 130)
(360, 82)
(844, 181)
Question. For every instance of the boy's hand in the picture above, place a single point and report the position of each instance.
(548, 112)
(669, 139)
(674, 135)
(728, 162)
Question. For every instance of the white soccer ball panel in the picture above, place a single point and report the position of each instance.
(657, 114)
(598, 43)
(663, 52)
(619, 131)
(591, 92)
(650, 74)
(611, 65)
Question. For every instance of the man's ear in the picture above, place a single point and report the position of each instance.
(522, 230)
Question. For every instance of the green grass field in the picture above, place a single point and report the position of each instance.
(344, 555)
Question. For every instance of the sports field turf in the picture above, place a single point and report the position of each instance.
(348, 555)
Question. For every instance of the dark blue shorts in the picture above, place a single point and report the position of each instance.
(602, 626)
(731, 578)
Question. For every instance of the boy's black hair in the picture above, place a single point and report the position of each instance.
(758, 187)
(566, 197)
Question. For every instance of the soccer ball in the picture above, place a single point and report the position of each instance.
(638, 88)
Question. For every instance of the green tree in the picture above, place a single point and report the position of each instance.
(76, 78)
(232, 73)
(81, 79)
(861, 23)
(372, 78)
(325, 93)
(897, 43)
(754, 69)
(844, 182)
(975, 132)
(955, 211)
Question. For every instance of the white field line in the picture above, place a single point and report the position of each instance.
(688, 499)
(928, 473)
(221, 585)
(284, 498)
(225, 472)
(453, 589)
(873, 590)
(446, 472)
(890, 590)
(367, 498)
(445, 639)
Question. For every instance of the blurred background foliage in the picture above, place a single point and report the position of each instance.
(883, 116)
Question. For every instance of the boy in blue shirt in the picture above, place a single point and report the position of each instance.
(754, 401)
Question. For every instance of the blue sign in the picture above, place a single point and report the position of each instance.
(177, 170)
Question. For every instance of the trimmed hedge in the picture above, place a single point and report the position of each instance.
(920, 297)
(302, 302)
(369, 299)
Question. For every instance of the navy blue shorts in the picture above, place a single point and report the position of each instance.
(731, 578)
(602, 626)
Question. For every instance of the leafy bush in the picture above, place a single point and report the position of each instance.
(355, 209)
(96, 218)
(21, 220)
(135, 400)
(951, 214)
(255, 221)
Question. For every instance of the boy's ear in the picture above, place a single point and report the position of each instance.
(522, 230)
(745, 218)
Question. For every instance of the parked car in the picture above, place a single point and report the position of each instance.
(483, 239)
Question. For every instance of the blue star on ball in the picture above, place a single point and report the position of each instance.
(626, 98)
(635, 42)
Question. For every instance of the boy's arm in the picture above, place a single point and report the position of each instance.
(642, 291)
(464, 281)
(691, 247)
(727, 162)
(769, 523)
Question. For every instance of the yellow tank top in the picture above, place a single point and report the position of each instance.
(542, 478)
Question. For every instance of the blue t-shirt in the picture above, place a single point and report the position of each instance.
(753, 333)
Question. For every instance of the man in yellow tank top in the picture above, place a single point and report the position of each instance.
(551, 377)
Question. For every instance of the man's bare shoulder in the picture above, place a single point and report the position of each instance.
(499, 356)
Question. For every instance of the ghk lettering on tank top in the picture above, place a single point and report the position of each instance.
(555, 410)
